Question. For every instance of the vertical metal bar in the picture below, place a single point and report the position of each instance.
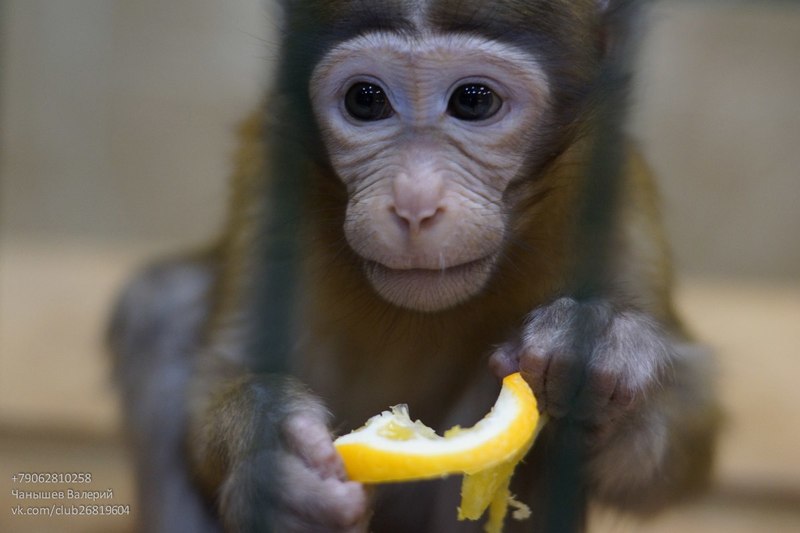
(565, 507)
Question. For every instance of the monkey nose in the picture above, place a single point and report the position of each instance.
(417, 202)
(415, 220)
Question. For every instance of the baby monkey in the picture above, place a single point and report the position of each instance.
(442, 149)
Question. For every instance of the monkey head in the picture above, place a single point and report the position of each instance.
(427, 129)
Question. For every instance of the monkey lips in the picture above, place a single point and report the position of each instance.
(425, 289)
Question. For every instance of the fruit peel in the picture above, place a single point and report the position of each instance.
(391, 447)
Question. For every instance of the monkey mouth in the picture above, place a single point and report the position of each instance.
(423, 289)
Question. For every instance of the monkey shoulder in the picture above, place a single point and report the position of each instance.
(160, 313)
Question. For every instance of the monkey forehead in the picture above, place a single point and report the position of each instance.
(471, 55)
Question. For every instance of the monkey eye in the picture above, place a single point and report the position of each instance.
(473, 101)
(367, 101)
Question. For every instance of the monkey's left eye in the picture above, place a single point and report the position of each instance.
(473, 101)
(367, 101)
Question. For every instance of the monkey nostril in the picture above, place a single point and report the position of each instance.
(414, 221)
(427, 220)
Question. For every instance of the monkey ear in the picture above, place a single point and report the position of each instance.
(616, 22)
(610, 5)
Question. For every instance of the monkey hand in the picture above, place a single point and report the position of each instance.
(589, 360)
(300, 486)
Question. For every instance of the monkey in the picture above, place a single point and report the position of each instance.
(436, 155)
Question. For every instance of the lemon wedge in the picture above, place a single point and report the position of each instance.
(391, 447)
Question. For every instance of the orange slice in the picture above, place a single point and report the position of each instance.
(391, 447)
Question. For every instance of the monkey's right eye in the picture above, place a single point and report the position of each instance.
(367, 101)
(473, 102)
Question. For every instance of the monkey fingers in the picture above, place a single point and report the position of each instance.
(505, 361)
(311, 440)
(557, 377)
(547, 353)
(629, 360)
(298, 487)
(587, 359)
(317, 491)
(314, 503)
(554, 378)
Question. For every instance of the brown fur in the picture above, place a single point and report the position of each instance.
(360, 354)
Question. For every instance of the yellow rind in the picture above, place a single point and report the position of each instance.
(489, 488)
(368, 464)
(480, 489)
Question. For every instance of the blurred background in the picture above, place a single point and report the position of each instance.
(117, 121)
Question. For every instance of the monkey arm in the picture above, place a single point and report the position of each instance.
(640, 394)
(620, 364)
(260, 447)
(154, 338)
(662, 453)
(254, 443)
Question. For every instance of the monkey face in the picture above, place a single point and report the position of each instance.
(426, 133)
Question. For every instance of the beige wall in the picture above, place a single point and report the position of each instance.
(117, 118)
(118, 114)
(718, 114)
